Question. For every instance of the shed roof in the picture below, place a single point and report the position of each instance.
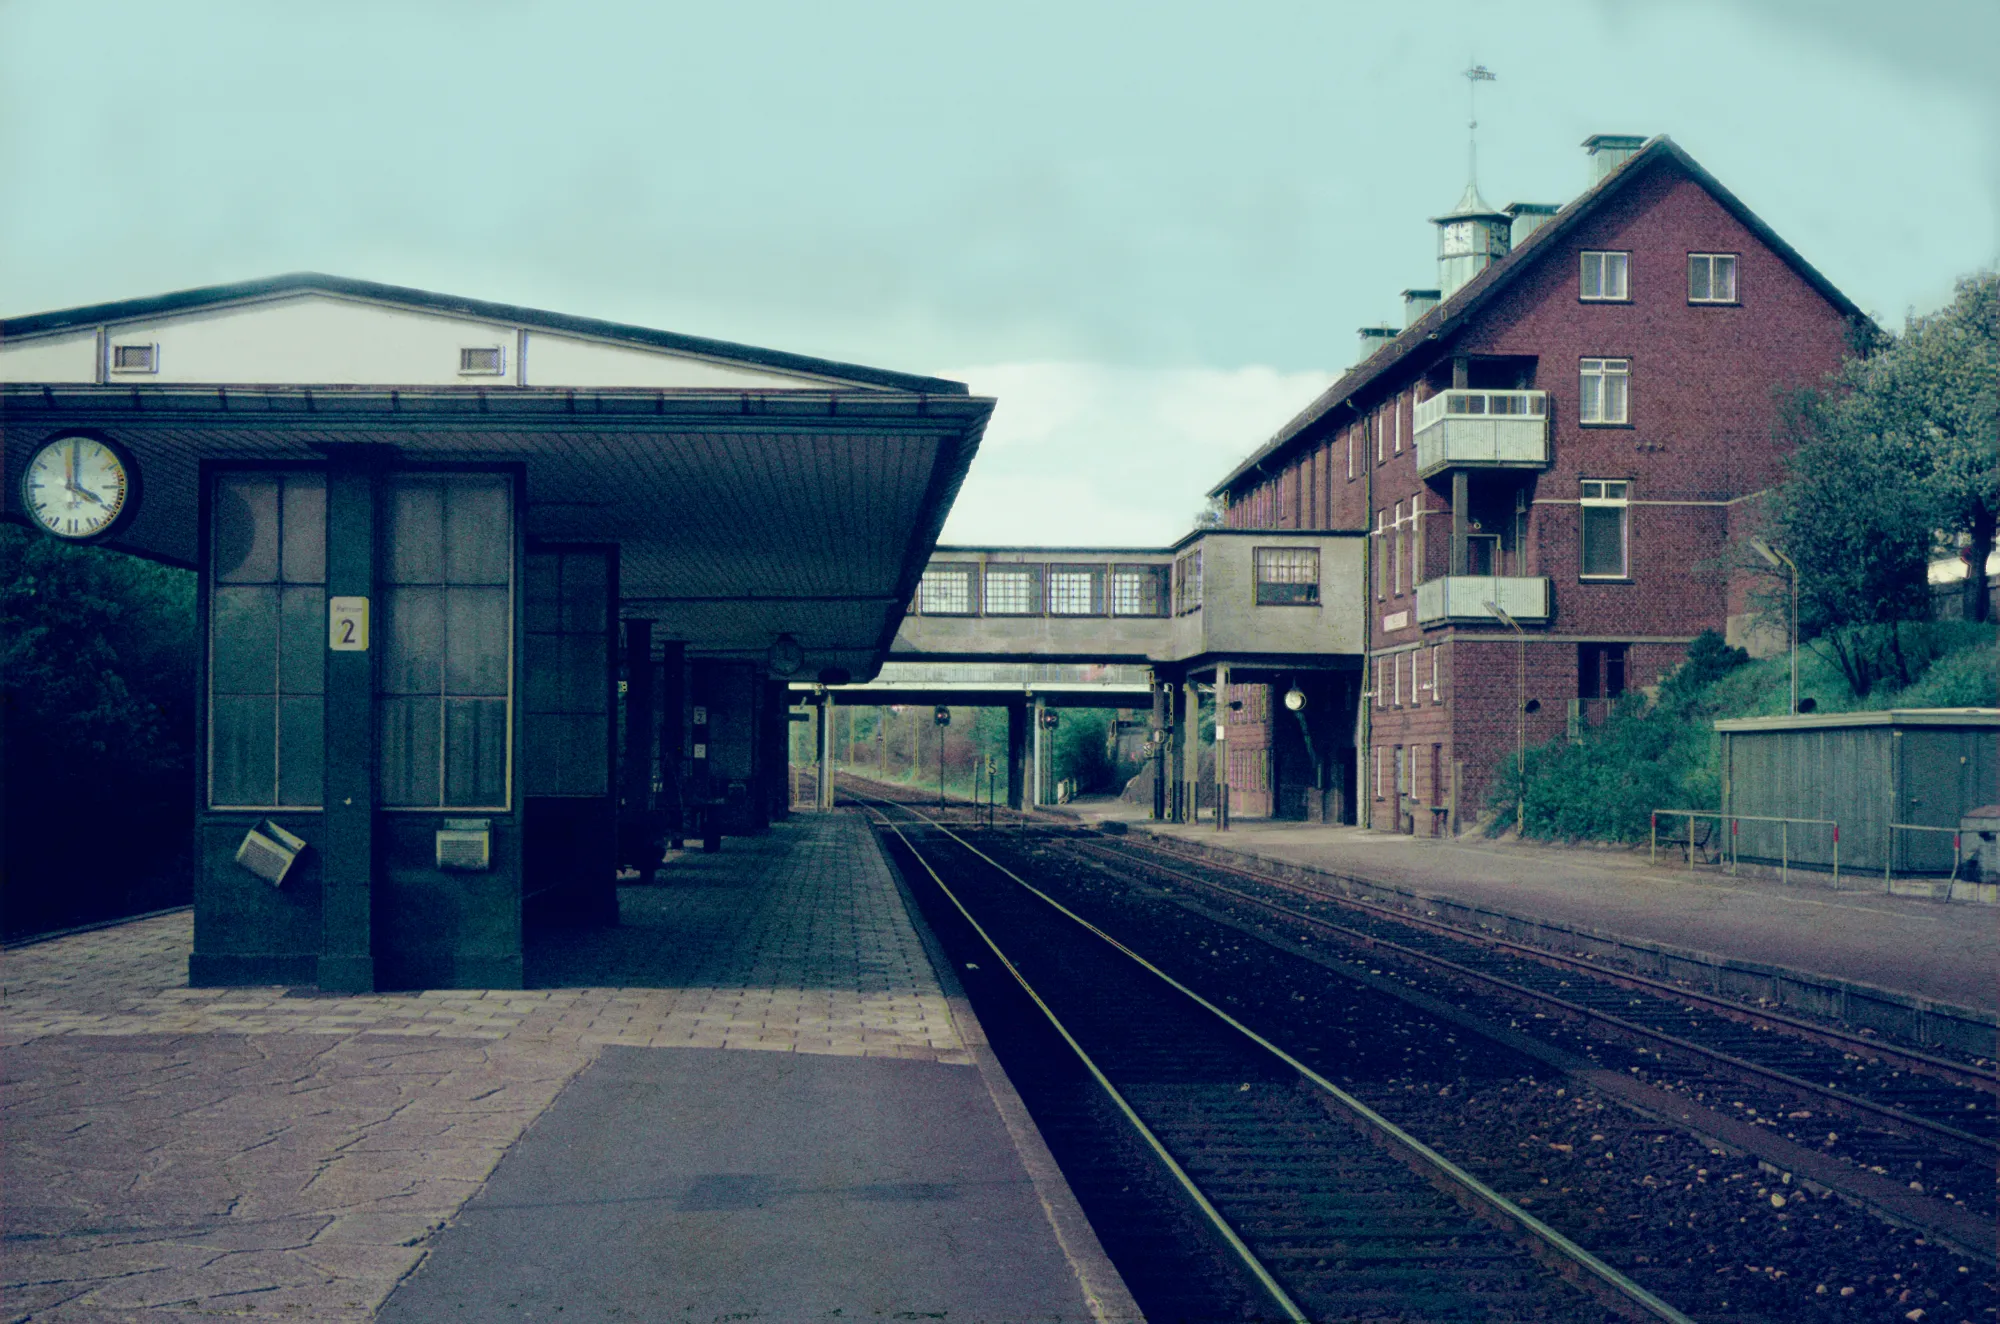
(1948, 717)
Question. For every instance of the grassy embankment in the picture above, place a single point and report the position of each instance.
(1662, 751)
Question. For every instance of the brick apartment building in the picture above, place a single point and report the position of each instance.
(1551, 458)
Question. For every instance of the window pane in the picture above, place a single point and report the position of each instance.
(415, 533)
(302, 641)
(945, 589)
(1590, 405)
(1072, 592)
(413, 638)
(1614, 398)
(1603, 540)
(244, 529)
(1614, 275)
(243, 622)
(301, 742)
(305, 529)
(1593, 275)
(410, 734)
(1697, 278)
(475, 741)
(244, 767)
(475, 631)
(478, 537)
(1010, 592)
(1724, 283)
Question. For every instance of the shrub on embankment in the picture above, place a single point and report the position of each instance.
(1661, 751)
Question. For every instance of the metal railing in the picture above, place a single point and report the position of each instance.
(1729, 850)
(1889, 855)
(1477, 404)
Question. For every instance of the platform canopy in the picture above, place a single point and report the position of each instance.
(753, 493)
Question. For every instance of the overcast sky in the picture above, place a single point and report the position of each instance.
(1150, 230)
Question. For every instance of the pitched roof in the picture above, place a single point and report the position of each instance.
(310, 282)
(1467, 302)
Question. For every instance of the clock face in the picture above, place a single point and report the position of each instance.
(79, 486)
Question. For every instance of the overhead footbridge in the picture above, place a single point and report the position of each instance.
(1265, 626)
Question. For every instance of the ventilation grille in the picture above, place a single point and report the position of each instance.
(482, 362)
(465, 845)
(135, 358)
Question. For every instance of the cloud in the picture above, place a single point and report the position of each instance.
(1096, 455)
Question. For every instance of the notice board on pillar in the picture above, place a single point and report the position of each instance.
(567, 704)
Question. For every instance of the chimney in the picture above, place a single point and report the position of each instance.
(1374, 337)
(1528, 218)
(1416, 303)
(1608, 151)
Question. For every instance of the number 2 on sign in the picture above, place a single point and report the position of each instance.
(347, 625)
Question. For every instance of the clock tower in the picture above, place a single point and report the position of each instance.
(1471, 237)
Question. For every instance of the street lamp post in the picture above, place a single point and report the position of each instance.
(1520, 723)
(1780, 561)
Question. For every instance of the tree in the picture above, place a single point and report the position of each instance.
(1893, 457)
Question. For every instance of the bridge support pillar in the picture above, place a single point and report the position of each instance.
(1038, 757)
(1017, 755)
(1188, 743)
(1221, 749)
(1156, 734)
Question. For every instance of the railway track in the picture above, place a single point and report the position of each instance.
(1680, 1180)
(1326, 1209)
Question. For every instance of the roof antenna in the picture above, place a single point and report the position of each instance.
(1474, 76)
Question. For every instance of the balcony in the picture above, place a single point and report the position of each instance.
(1463, 598)
(1481, 430)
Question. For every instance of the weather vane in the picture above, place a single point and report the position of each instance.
(1474, 76)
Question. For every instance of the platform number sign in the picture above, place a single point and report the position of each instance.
(347, 625)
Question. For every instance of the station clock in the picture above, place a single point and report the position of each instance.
(80, 486)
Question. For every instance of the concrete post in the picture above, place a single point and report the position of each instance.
(347, 854)
(1221, 748)
(1159, 749)
(673, 733)
(1190, 752)
(1017, 755)
(825, 734)
(1038, 758)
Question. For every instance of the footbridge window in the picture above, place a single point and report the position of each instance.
(1076, 590)
(1287, 576)
(1013, 590)
(1187, 582)
(945, 590)
(1138, 590)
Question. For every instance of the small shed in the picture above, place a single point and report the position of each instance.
(1883, 777)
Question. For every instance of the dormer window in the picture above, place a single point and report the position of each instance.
(135, 358)
(1604, 277)
(482, 361)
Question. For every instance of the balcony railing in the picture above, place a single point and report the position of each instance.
(1464, 598)
(1481, 429)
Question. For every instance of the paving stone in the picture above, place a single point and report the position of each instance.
(181, 1154)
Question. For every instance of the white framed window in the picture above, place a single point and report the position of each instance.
(1604, 395)
(1187, 582)
(1437, 677)
(1350, 455)
(1604, 277)
(1012, 590)
(1392, 548)
(1381, 437)
(945, 590)
(1711, 278)
(1605, 533)
(1139, 590)
(1381, 555)
(1378, 772)
(1395, 682)
(1416, 541)
(1396, 422)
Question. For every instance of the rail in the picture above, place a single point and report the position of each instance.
(1729, 850)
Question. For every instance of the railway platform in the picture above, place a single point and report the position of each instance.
(1921, 955)
(758, 1096)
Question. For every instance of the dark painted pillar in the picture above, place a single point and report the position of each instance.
(673, 727)
(347, 853)
(636, 845)
(1017, 755)
(778, 747)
